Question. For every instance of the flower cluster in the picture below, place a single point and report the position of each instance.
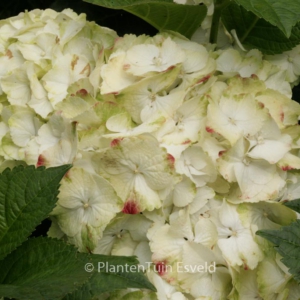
(180, 152)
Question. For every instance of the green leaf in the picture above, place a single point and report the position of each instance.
(287, 244)
(294, 205)
(42, 269)
(84, 292)
(257, 33)
(162, 14)
(129, 295)
(283, 14)
(118, 272)
(112, 273)
(27, 196)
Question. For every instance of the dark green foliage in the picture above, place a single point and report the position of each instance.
(287, 244)
(44, 268)
(162, 14)
(287, 241)
(27, 196)
(254, 32)
(294, 205)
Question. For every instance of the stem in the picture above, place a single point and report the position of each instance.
(219, 6)
(249, 30)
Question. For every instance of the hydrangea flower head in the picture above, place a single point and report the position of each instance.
(180, 152)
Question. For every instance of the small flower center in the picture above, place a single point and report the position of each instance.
(152, 97)
(157, 61)
(260, 140)
(233, 232)
(232, 121)
(178, 120)
(246, 161)
(187, 162)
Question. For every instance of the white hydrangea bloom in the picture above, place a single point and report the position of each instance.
(142, 59)
(184, 126)
(66, 70)
(10, 60)
(236, 240)
(265, 215)
(257, 179)
(114, 76)
(288, 62)
(91, 201)
(232, 61)
(39, 101)
(57, 142)
(179, 231)
(135, 227)
(235, 116)
(271, 279)
(148, 98)
(16, 86)
(121, 126)
(165, 291)
(139, 170)
(181, 152)
(284, 111)
(274, 78)
(246, 286)
(213, 281)
(292, 189)
(196, 164)
(24, 126)
(197, 56)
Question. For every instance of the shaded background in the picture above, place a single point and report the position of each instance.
(119, 20)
